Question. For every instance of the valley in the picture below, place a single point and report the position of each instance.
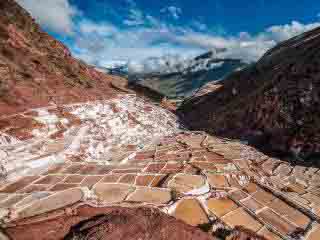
(210, 148)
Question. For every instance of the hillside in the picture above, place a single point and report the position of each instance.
(82, 157)
(36, 69)
(274, 103)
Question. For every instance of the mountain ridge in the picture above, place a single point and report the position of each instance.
(188, 76)
(102, 162)
(276, 100)
(37, 70)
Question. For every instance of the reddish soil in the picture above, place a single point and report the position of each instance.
(37, 70)
(110, 223)
(19, 126)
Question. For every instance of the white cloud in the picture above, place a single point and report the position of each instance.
(103, 29)
(175, 12)
(283, 32)
(165, 63)
(136, 18)
(245, 46)
(94, 38)
(143, 45)
(101, 42)
(55, 15)
(153, 21)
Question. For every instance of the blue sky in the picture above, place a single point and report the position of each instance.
(105, 31)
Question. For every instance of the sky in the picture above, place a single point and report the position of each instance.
(105, 32)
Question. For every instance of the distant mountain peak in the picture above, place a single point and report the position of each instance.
(185, 77)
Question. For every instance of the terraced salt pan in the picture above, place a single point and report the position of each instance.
(6, 139)
(98, 131)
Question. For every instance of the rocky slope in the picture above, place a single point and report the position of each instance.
(274, 103)
(36, 69)
(183, 79)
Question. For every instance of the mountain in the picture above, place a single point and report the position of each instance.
(47, 96)
(37, 70)
(83, 157)
(116, 68)
(274, 102)
(184, 78)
